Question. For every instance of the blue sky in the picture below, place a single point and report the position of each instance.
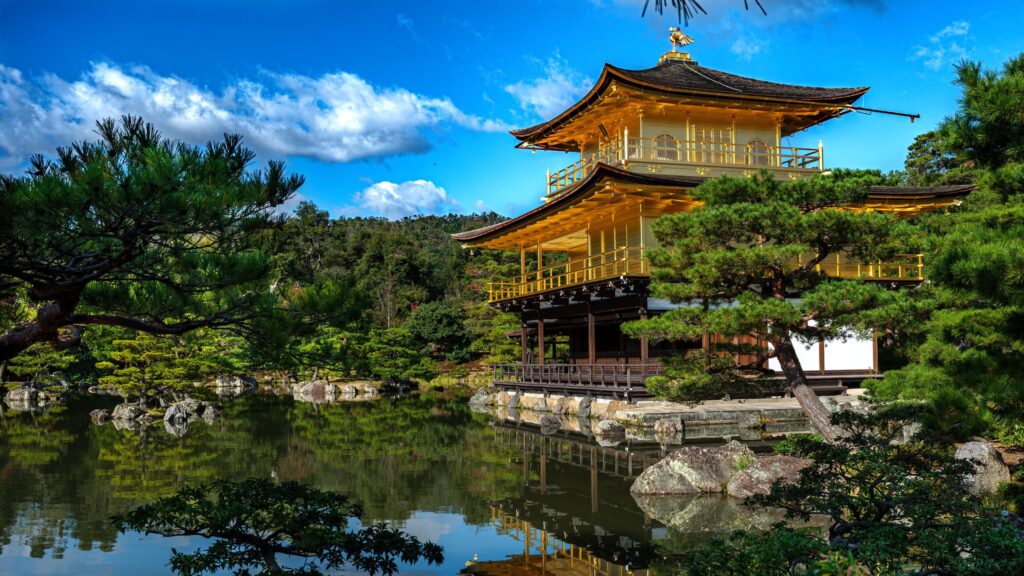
(396, 108)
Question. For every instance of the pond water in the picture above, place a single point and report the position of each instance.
(500, 498)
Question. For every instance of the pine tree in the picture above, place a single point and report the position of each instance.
(742, 264)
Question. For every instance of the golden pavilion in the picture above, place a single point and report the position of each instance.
(644, 139)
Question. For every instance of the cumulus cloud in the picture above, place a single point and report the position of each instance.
(336, 117)
(944, 47)
(395, 201)
(552, 93)
(747, 47)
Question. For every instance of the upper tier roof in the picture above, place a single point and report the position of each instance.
(901, 200)
(674, 76)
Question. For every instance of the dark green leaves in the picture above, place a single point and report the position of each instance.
(255, 521)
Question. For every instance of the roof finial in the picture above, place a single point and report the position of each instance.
(677, 38)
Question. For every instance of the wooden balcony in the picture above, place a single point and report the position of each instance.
(620, 262)
(624, 380)
(624, 262)
(694, 157)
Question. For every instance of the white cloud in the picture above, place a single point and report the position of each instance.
(552, 93)
(337, 117)
(944, 47)
(409, 198)
(746, 47)
(481, 206)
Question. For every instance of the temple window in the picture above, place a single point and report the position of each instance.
(757, 152)
(665, 147)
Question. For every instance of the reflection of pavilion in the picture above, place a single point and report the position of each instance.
(545, 554)
(577, 493)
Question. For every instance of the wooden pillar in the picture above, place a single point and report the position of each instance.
(540, 261)
(540, 339)
(591, 337)
(522, 263)
(874, 353)
(524, 342)
(643, 340)
(821, 356)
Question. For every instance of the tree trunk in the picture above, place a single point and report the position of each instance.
(269, 559)
(797, 381)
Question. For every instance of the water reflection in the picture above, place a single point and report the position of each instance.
(427, 464)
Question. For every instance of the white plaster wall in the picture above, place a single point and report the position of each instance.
(854, 354)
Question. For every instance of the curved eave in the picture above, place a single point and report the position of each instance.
(612, 73)
(900, 199)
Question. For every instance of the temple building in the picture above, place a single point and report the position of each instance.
(644, 139)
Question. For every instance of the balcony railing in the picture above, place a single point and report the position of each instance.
(623, 378)
(620, 262)
(631, 262)
(662, 150)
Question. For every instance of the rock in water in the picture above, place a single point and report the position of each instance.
(693, 469)
(610, 429)
(369, 391)
(126, 413)
(99, 416)
(480, 398)
(316, 391)
(549, 424)
(513, 400)
(24, 399)
(990, 469)
(349, 391)
(234, 385)
(561, 406)
(210, 413)
(583, 409)
(758, 477)
(667, 427)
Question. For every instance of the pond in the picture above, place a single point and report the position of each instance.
(500, 497)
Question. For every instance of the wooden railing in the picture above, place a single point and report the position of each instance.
(620, 262)
(613, 378)
(688, 152)
(631, 262)
(903, 268)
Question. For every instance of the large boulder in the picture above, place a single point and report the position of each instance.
(126, 413)
(369, 390)
(349, 391)
(99, 416)
(759, 475)
(990, 470)
(694, 469)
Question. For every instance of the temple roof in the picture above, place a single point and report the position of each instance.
(897, 199)
(686, 77)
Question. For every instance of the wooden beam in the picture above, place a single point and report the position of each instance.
(540, 340)
(591, 337)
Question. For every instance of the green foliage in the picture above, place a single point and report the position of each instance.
(135, 231)
(39, 362)
(394, 354)
(790, 446)
(967, 355)
(442, 326)
(144, 366)
(740, 261)
(255, 520)
(895, 506)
